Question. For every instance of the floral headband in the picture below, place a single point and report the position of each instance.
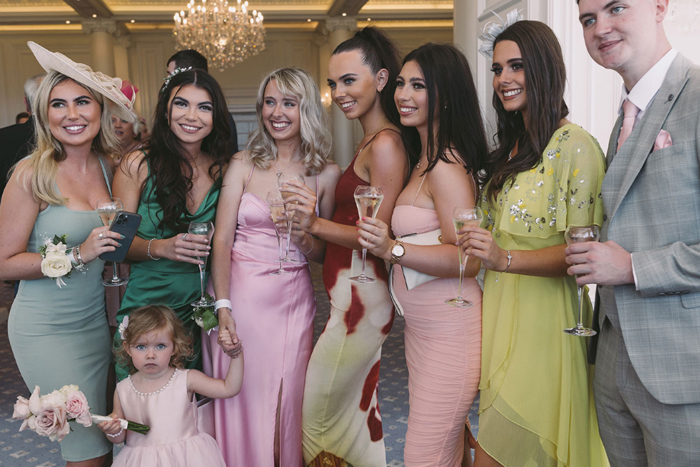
(493, 29)
(166, 81)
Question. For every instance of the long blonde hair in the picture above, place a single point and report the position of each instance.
(315, 133)
(48, 151)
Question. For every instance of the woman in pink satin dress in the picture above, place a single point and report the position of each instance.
(272, 314)
(436, 95)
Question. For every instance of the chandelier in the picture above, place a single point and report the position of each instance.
(224, 34)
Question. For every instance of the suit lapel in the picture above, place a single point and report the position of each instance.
(633, 154)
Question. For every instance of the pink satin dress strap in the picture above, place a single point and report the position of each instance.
(274, 320)
(174, 439)
(443, 353)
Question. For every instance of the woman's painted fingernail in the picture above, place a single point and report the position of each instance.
(119, 244)
(123, 237)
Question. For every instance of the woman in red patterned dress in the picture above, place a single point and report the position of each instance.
(340, 419)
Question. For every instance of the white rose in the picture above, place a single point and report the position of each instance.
(55, 264)
(69, 389)
(54, 399)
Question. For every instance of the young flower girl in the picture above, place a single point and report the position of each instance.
(160, 394)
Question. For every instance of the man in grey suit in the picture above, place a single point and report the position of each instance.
(647, 267)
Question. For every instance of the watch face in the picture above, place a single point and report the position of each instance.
(397, 250)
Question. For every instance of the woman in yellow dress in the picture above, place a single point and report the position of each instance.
(536, 406)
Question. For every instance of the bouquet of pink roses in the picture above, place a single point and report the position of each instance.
(49, 415)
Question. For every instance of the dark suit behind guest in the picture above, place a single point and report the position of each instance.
(16, 141)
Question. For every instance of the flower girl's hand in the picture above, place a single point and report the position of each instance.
(111, 427)
(101, 240)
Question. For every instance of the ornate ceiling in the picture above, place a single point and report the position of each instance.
(158, 14)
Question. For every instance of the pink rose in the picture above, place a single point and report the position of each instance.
(52, 422)
(21, 411)
(77, 407)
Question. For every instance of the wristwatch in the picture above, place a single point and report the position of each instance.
(397, 252)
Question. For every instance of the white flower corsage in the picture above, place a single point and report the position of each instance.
(56, 262)
(493, 29)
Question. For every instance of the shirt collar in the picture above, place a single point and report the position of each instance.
(646, 88)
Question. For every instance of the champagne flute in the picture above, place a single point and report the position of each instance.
(206, 229)
(107, 209)
(588, 233)
(460, 218)
(282, 180)
(276, 204)
(368, 199)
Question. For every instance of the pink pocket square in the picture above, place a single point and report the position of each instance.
(663, 140)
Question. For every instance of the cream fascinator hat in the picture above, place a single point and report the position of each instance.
(493, 29)
(83, 74)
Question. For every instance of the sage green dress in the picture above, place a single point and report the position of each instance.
(60, 336)
(166, 282)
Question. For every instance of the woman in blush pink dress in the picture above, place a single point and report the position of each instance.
(436, 95)
(272, 314)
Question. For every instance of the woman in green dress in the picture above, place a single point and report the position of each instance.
(536, 406)
(174, 180)
(59, 335)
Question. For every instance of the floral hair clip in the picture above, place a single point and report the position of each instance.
(493, 29)
(177, 70)
(122, 327)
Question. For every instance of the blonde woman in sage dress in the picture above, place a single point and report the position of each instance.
(60, 335)
(536, 403)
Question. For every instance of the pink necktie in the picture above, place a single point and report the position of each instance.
(629, 112)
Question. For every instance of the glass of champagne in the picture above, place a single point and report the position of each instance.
(107, 208)
(206, 229)
(276, 204)
(460, 218)
(282, 180)
(368, 199)
(588, 233)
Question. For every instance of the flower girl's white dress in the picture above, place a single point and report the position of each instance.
(174, 439)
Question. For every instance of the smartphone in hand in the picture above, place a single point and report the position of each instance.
(125, 223)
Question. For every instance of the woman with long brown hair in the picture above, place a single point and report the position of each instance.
(545, 174)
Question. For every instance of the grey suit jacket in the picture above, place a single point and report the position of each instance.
(652, 206)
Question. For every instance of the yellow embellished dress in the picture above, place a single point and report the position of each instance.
(536, 405)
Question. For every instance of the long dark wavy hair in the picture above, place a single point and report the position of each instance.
(169, 169)
(379, 51)
(454, 103)
(545, 81)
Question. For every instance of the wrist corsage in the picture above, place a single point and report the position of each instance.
(56, 259)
